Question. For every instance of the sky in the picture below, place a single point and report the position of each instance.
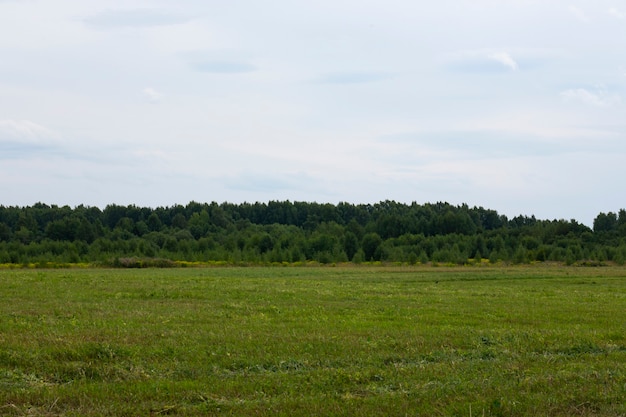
(517, 106)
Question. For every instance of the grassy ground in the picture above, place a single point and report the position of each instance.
(533, 341)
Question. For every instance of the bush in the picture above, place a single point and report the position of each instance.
(134, 262)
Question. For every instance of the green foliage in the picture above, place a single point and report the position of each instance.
(605, 222)
(296, 232)
(371, 246)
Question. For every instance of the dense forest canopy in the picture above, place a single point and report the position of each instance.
(284, 231)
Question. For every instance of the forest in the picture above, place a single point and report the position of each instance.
(281, 232)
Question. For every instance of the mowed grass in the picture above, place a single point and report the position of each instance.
(375, 341)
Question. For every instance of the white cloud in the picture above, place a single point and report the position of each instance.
(617, 13)
(23, 139)
(31, 25)
(579, 14)
(598, 98)
(483, 61)
(504, 59)
(223, 67)
(153, 95)
(134, 18)
(303, 99)
(24, 131)
(355, 77)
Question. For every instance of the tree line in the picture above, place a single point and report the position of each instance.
(284, 231)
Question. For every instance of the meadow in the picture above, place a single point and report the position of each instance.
(301, 341)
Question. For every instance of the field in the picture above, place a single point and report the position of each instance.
(375, 341)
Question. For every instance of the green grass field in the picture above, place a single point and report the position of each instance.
(483, 341)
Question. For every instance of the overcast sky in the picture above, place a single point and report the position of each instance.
(514, 105)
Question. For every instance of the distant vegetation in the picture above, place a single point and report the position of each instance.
(293, 232)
